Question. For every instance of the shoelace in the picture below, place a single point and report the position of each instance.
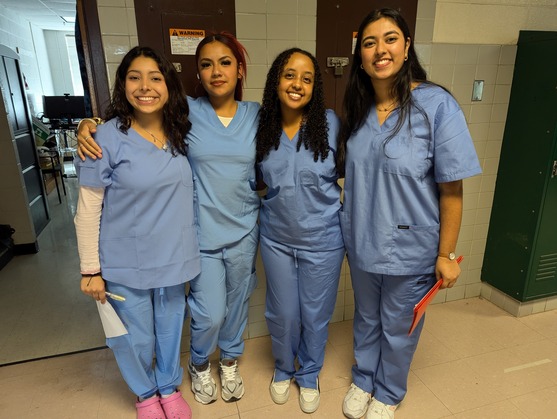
(205, 377)
(229, 372)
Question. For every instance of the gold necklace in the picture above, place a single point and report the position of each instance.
(387, 109)
(164, 146)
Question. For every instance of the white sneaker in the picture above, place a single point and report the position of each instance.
(309, 399)
(203, 385)
(355, 402)
(380, 410)
(230, 380)
(280, 390)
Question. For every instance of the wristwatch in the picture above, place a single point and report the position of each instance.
(450, 255)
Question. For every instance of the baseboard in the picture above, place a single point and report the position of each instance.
(6, 255)
(26, 248)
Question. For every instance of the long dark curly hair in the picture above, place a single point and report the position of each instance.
(175, 111)
(314, 129)
(359, 94)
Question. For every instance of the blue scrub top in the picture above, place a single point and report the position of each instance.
(147, 237)
(390, 219)
(223, 164)
(302, 202)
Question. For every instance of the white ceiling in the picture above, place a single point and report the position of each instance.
(46, 14)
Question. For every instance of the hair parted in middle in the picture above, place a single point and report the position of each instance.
(238, 50)
(314, 129)
(175, 111)
(359, 94)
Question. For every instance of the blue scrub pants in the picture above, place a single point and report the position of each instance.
(218, 299)
(383, 350)
(301, 294)
(154, 319)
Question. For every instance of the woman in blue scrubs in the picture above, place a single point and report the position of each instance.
(221, 151)
(404, 148)
(301, 241)
(135, 227)
(222, 156)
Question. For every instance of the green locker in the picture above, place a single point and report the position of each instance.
(521, 251)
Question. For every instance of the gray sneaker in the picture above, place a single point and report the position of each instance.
(203, 385)
(231, 381)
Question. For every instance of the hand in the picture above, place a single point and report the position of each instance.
(447, 269)
(94, 287)
(86, 145)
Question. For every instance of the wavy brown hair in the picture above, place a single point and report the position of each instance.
(314, 129)
(175, 111)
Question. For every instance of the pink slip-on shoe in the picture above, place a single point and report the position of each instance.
(175, 407)
(150, 409)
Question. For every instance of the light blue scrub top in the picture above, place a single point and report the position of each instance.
(223, 164)
(302, 202)
(148, 237)
(390, 219)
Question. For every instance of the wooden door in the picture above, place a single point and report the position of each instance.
(337, 23)
(175, 27)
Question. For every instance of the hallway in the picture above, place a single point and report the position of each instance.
(474, 360)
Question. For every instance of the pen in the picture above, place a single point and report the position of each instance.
(115, 296)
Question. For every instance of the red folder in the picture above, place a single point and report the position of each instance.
(419, 309)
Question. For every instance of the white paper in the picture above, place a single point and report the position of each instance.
(112, 325)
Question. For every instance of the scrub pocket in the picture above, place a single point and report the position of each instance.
(413, 245)
(407, 156)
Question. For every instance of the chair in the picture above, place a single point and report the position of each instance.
(54, 167)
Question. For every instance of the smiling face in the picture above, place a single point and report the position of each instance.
(296, 81)
(145, 86)
(218, 70)
(383, 49)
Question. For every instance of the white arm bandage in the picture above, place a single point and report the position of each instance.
(87, 228)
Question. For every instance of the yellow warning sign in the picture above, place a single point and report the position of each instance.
(185, 41)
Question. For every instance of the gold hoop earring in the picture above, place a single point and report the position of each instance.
(362, 66)
(406, 58)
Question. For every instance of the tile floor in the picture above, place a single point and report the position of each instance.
(43, 311)
(474, 360)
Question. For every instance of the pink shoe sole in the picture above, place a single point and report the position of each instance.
(175, 407)
(150, 409)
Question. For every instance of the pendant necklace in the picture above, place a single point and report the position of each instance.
(164, 146)
(387, 109)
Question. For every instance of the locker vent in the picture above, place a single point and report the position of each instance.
(547, 267)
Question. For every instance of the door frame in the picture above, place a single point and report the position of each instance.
(93, 52)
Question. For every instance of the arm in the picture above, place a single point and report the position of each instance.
(87, 227)
(450, 207)
(87, 146)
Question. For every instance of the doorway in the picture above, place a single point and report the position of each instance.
(177, 27)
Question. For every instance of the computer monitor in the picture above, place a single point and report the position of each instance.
(64, 107)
